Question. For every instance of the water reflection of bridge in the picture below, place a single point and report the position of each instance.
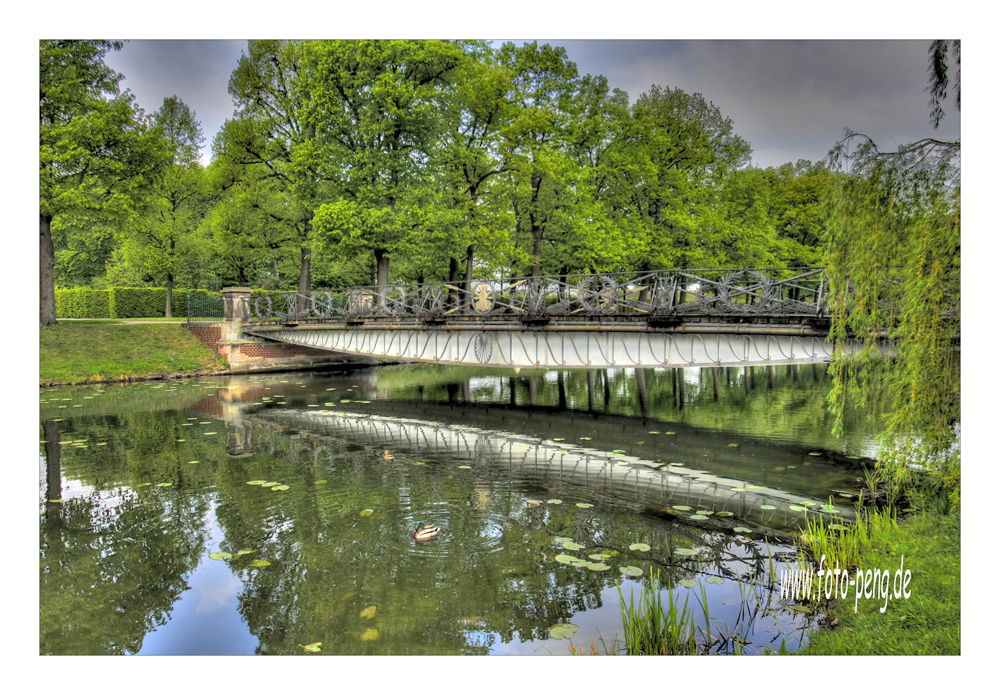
(564, 468)
(658, 318)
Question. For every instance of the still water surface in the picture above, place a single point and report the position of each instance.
(152, 479)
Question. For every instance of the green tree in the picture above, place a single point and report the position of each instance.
(375, 111)
(95, 147)
(893, 238)
(163, 237)
(270, 140)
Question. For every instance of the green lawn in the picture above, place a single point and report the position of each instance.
(93, 351)
(929, 621)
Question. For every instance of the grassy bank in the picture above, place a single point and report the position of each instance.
(928, 622)
(75, 352)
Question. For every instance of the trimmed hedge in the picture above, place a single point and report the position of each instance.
(122, 302)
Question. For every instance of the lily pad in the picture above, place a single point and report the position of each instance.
(320, 482)
(566, 559)
(682, 507)
(369, 612)
(280, 487)
(714, 580)
(570, 545)
(743, 529)
(677, 464)
(689, 583)
(554, 501)
(314, 647)
(654, 432)
(631, 571)
(465, 466)
(369, 635)
(164, 484)
(598, 566)
(698, 517)
(641, 547)
(796, 508)
(271, 483)
(366, 512)
(560, 539)
(723, 513)
(563, 630)
(767, 506)
(815, 453)
(219, 555)
(259, 563)
(247, 551)
(685, 551)
(584, 505)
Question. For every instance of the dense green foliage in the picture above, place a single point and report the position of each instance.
(357, 162)
(121, 302)
(893, 241)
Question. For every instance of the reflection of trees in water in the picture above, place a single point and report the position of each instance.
(491, 571)
(112, 564)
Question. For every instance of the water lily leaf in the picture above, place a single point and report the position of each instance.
(584, 505)
(369, 635)
(677, 464)
(743, 529)
(815, 453)
(247, 551)
(685, 551)
(585, 438)
(554, 501)
(566, 559)
(369, 612)
(366, 512)
(271, 483)
(689, 583)
(320, 482)
(280, 487)
(681, 507)
(641, 547)
(597, 557)
(259, 563)
(210, 433)
(767, 506)
(570, 545)
(597, 566)
(796, 508)
(631, 571)
(807, 503)
(580, 562)
(164, 484)
(314, 647)
(698, 517)
(844, 494)
(561, 539)
(714, 580)
(723, 513)
(465, 466)
(779, 469)
(558, 439)
(618, 451)
(734, 445)
(219, 555)
(256, 482)
(563, 630)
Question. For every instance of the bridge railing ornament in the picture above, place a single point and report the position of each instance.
(657, 294)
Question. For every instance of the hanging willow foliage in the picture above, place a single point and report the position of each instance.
(893, 244)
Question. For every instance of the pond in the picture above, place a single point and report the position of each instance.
(263, 514)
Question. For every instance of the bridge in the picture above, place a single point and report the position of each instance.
(670, 318)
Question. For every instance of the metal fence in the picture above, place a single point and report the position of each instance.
(673, 293)
(205, 308)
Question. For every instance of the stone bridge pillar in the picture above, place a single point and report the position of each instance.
(237, 303)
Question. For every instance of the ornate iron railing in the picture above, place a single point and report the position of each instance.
(655, 294)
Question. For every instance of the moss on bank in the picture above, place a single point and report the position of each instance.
(77, 352)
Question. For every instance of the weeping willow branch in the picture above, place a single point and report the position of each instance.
(893, 244)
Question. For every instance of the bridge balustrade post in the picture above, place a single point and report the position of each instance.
(236, 301)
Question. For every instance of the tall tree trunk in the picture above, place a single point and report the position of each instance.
(453, 299)
(381, 277)
(169, 312)
(470, 257)
(47, 272)
(305, 268)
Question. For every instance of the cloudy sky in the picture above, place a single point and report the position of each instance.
(791, 99)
